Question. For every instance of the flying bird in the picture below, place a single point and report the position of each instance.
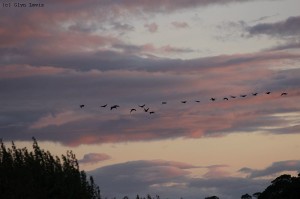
(133, 109)
(146, 109)
(225, 98)
(197, 101)
(254, 94)
(282, 94)
(114, 107)
(233, 96)
(142, 106)
(183, 102)
(243, 95)
(151, 112)
(103, 106)
(212, 99)
(164, 103)
(268, 92)
(81, 105)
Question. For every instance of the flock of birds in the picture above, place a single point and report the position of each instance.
(147, 109)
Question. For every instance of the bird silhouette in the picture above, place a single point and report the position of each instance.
(81, 105)
(183, 102)
(243, 95)
(225, 98)
(197, 101)
(164, 103)
(146, 109)
(254, 94)
(268, 92)
(282, 94)
(233, 96)
(212, 99)
(133, 109)
(142, 106)
(114, 107)
(103, 106)
(151, 112)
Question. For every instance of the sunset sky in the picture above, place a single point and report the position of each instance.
(133, 52)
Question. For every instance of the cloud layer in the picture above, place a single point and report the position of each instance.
(172, 178)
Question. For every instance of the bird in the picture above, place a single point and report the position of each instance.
(282, 94)
(151, 112)
(254, 94)
(233, 96)
(81, 105)
(114, 107)
(133, 109)
(183, 102)
(103, 106)
(212, 99)
(197, 101)
(164, 103)
(243, 95)
(142, 106)
(225, 98)
(268, 92)
(146, 109)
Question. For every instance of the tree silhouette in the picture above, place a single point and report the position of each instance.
(212, 197)
(246, 196)
(38, 174)
(284, 186)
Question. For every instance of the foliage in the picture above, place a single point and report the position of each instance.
(284, 186)
(38, 174)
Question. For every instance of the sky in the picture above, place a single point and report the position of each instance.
(65, 53)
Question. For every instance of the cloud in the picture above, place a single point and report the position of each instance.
(152, 27)
(170, 178)
(148, 49)
(179, 24)
(21, 71)
(274, 169)
(287, 28)
(58, 119)
(92, 158)
(138, 176)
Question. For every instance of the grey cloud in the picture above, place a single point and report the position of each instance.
(287, 28)
(275, 168)
(170, 178)
(92, 158)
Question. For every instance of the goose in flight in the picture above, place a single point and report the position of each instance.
(212, 99)
(114, 107)
(225, 98)
(233, 96)
(142, 106)
(254, 94)
(164, 103)
(146, 109)
(103, 106)
(243, 95)
(81, 105)
(282, 94)
(197, 101)
(268, 92)
(183, 102)
(151, 112)
(133, 109)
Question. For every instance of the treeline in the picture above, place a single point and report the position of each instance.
(38, 174)
(283, 187)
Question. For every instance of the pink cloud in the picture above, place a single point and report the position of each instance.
(19, 71)
(152, 27)
(59, 119)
